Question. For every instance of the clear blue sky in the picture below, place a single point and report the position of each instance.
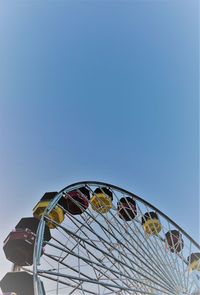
(99, 90)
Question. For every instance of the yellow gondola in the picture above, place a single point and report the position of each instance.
(151, 223)
(56, 214)
(102, 200)
(194, 261)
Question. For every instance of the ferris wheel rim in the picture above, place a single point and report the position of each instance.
(91, 182)
(89, 185)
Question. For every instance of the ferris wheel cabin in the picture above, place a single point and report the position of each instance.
(76, 202)
(57, 214)
(19, 245)
(126, 208)
(20, 283)
(102, 200)
(174, 241)
(151, 223)
(194, 261)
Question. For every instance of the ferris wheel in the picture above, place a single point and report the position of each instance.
(97, 238)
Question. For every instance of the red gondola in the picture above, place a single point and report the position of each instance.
(174, 241)
(32, 224)
(126, 208)
(76, 202)
(19, 245)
